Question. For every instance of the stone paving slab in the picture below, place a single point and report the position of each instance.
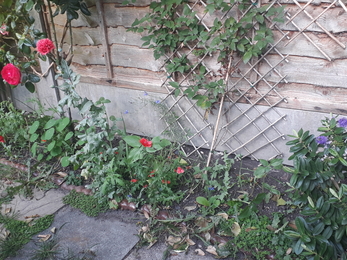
(104, 238)
(43, 203)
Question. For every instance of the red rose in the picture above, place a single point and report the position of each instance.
(164, 181)
(11, 74)
(133, 180)
(145, 142)
(2, 140)
(44, 46)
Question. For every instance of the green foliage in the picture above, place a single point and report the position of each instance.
(52, 138)
(319, 166)
(89, 205)
(139, 173)
(258, 240)
(13, 127)
(173, 24)
(20, 233)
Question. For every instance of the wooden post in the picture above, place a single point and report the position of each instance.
(103, 35)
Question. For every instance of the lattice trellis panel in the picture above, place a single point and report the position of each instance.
(234, 123)
(243, 121)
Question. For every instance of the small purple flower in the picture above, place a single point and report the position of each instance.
(145, 93)
(342, 122)
(322, 139)
(157, 101)
(126, 112)
(210, 188)
(129, 196)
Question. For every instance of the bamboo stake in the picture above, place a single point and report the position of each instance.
(219, 115)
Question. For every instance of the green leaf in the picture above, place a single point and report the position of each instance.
(48, 134)
(297, 247)
(56, 151)
(174, 84)
(50, 123)
(65, 161)
(292, 234)
(203, 201)
(328, 231)
(318, 229)
(301, 225)
(132, 140)
(63, 124)
(33, 137)
(68, 136)
(30, 86)
(34, 127)
(51, 146)
(33, 78)
(247, 56)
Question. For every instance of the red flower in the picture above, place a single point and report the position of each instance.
(2, 140)
(145, 142)
(151, 175)
(11, 74)
(167, 182)
(44, 46)
(145, 186)
(44, 140)
(133, 180)
(179, 170)
(116, 152)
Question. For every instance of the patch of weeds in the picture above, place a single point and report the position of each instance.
(89, 205)
(20, 233)
(73, 179)
(46, 250)
(259, 238)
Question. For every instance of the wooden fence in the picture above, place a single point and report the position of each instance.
(298, 81)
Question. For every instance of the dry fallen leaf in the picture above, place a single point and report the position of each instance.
(289, 250)
(53, 230)
(44, 238)
(33, 216)
(8, 210)
(189, 241)
(62, 174)
(197, 176)
(199, 252)
(190, 208)
(173, 240)
(281, 202)
(223, 215)
(235, 229)
(211, 250)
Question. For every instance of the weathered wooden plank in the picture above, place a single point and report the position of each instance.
(91, 36)
(298, 96)
(121, 55)
(133, 78)
(306, 70)
(303, 47)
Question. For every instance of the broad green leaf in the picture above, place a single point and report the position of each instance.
(33, 137)
(51, 146)
(48, 134)
(30, 86)
(63, 124)
(203, 201)
(50, 123)
(34, 127)
(68, 136)
(318, 229)
(132, 140)
(65, 161)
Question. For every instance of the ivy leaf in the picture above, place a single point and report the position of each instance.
(30, 86)
(247, 56)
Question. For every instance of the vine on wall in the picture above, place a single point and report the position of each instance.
(172, 24)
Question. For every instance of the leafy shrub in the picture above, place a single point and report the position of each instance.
(319, 168)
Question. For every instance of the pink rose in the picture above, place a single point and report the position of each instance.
(44, 46)
(11, 74)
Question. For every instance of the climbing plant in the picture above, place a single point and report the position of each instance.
(174, 24)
